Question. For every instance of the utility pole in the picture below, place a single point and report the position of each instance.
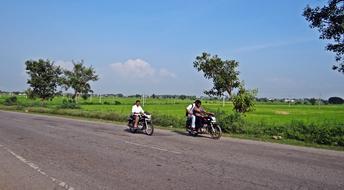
(319, 101)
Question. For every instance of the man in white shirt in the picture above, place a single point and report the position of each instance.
(136, 111)
(190, 114)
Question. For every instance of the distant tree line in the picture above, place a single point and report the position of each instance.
(306, 101)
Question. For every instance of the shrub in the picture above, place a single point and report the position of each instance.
(243, 101)
(233, 123)
(69, 104)
(167, 121)
(10, 101)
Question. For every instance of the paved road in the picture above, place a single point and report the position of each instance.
(44, 152)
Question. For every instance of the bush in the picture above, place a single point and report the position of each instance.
(117, 103)
(69, 104)
(243, 101)
(319, 133)
(10, 101)
(167, 121)
(233, 123)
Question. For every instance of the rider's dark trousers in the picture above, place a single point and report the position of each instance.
(198, 122)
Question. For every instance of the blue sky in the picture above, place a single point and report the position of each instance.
(278, 53)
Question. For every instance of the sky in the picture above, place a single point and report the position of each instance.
(148, 46)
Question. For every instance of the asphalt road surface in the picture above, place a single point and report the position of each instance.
(45, 152)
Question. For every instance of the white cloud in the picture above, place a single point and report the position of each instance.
(64, 64)
(270, 45)
(139, 69)
(166, 73)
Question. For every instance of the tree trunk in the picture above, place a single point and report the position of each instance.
(74, 95)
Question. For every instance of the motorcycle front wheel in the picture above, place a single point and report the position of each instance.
(215, 131)
(149, 129)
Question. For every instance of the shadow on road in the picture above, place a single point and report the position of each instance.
(154, 134)
(187, 134)
(137, 131)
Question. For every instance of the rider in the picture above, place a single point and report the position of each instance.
(136, 111)
(190, 115)
(199, 112)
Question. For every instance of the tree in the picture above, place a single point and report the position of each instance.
(79, 78)
(329, 20)
(313, 101)
(335, 100)
(223, 73)
(44, 77)
(183, 97)
(225, 79)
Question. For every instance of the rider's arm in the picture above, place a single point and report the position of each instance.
(189, 110)
(205, 112)
(141, 110)
(133, 110)
(209, 113)
(197, 111)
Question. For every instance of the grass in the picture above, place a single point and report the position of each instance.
(272, 114)
(268, 113)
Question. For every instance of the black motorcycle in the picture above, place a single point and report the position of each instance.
(208, 125)
(144, 124)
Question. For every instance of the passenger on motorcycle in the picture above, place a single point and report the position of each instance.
(199, 112)
(190, 115)
(136, 111)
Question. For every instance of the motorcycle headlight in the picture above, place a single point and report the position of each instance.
(213, 119)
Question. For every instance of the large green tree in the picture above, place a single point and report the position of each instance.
(44, 78)
(78, 79)
(329, 20)
(225, 77)
(223, 73)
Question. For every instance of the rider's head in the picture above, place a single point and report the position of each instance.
(137, 102)
(198, 103)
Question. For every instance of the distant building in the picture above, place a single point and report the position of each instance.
(289, 100)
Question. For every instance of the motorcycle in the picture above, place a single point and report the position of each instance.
(144, 124)
(208, 126)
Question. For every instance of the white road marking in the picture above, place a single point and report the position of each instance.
(39, 170)
(152, 147)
